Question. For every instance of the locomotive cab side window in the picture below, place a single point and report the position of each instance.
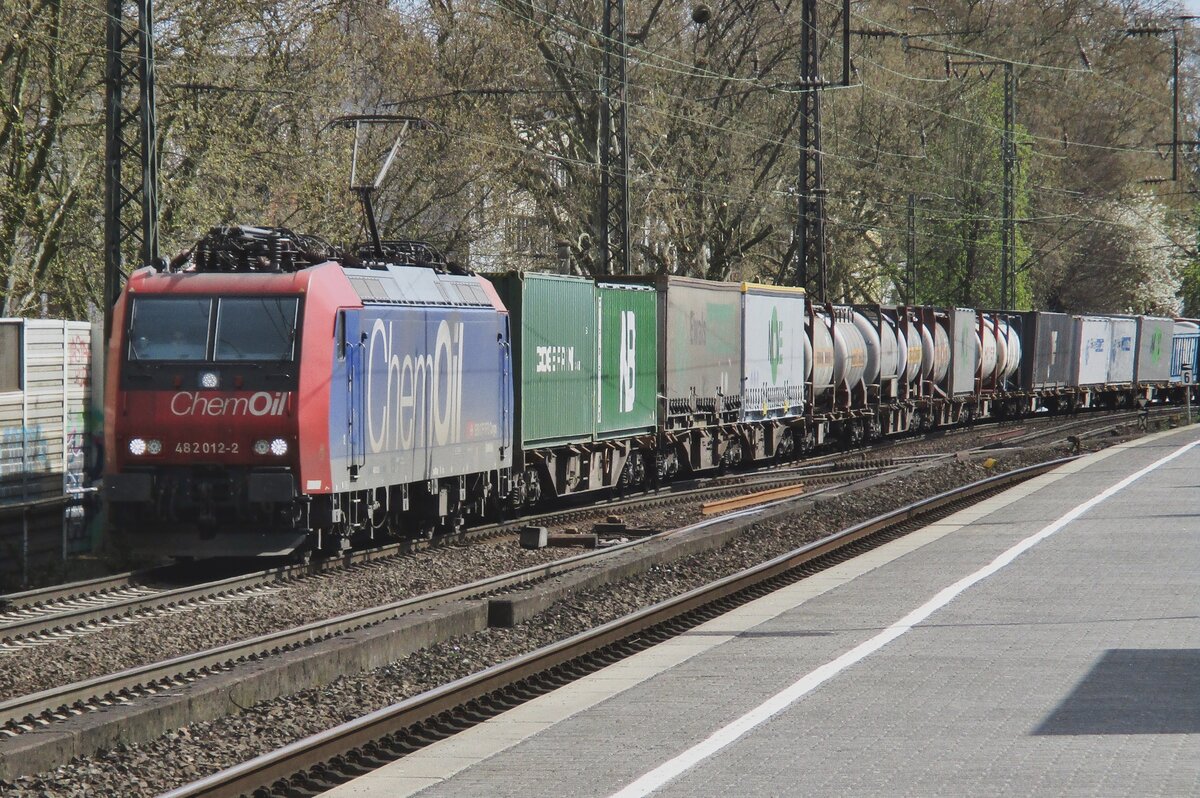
(169, 329)
(256, 328)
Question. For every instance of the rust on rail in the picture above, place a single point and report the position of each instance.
(751, 499)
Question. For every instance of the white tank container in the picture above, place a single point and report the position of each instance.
(1001, 350)
(849, 354)
(927, 352)
(989, 353)
(915, 352)
(820, 356)
(891, 362)
(940, 347)
(1012, 344)
(874, 347)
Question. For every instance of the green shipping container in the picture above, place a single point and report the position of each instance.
(628, 356)
(552, 320)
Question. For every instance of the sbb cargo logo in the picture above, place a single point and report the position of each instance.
(263, 403)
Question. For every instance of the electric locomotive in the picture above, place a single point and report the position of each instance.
(272, 397)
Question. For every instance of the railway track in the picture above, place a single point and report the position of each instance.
(40, 617)
(313, 764)
(131, 597)
(39, 710)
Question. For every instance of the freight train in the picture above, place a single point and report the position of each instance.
(272, 396)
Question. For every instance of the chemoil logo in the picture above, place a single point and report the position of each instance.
(262, 403)
(775, 343)
(422, 393)
(627, 370)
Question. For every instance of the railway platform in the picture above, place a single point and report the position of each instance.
(1043, 642)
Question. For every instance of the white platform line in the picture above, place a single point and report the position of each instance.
(788, 696)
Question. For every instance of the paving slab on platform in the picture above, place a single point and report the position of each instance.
(1053, 648)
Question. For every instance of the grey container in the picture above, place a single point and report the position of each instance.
(1153, 362)
(1123, 351)
(964, 351)
(701, 354)
(1093, 349)
(1047, 351)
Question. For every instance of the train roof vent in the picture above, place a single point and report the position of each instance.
(399, 285)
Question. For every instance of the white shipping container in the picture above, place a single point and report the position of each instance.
(774, 365)
(965, 357)
(1093, 336)
(1123, 350)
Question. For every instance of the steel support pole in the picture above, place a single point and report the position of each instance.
(810, 224)
(1008, 277)
(614, 145)
(1174, 104)
(910, 266)
(130, 205)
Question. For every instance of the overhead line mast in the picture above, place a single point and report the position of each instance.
(130, 147)
(614, 145)
(811, 272)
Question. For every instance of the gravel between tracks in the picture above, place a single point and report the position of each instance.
(186, 754)
(150, 640)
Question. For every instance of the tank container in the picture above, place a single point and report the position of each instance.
(819, 351)
(873, 346)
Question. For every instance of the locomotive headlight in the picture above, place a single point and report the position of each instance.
(137, 446)
(279, 447)
(210, 380)
(261, 447)
(154, 446)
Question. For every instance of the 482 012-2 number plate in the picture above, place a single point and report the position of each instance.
(206, 447)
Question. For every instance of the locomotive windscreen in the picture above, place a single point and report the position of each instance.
(214, 329)
(256, 328)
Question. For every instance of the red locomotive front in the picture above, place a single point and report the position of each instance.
(205, 432)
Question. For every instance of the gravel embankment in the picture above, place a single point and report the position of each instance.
(201, 748)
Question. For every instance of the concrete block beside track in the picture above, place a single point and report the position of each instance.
(243, 685)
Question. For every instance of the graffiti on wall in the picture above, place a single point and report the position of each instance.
(79, 361)
(24, 451)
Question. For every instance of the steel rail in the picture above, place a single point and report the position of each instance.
(333, 744)
(36, 709)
